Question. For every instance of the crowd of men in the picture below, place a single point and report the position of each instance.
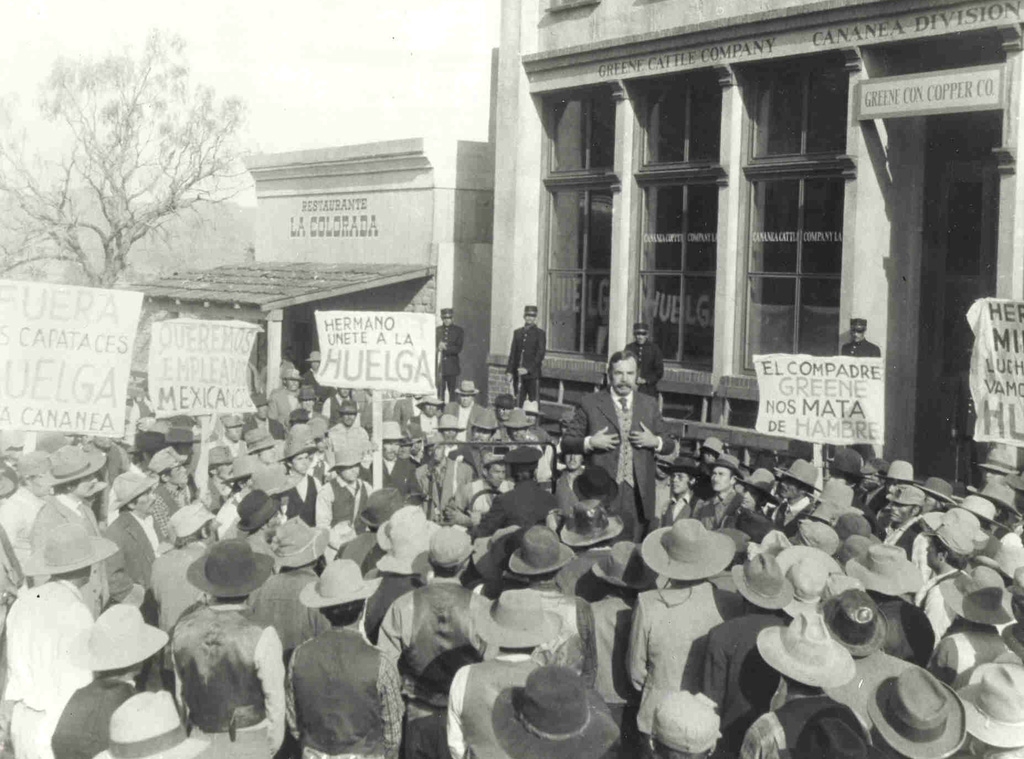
(519, 587)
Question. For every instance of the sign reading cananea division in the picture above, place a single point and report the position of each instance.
(377, 350)
(199, 366)
(65, 357)
(837, 399)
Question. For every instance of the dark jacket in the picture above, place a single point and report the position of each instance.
(304, 509)
(861, 350)
(651, 360)
(135, 547)
(452, 337)
(525, 505)
(276, 604)
(596, 411)
(391, 588)
(402, 477)
(527, 351)
(909, 633)
(84, 727)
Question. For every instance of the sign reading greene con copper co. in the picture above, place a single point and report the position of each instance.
(979, 88)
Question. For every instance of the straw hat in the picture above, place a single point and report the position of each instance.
(887, 570)
(713, 445)
(448, 422)
(994, 702)
(808, 579)
(188, 519)
(553, 716)
(300, 440)
(855, 547)
(539, 552)
(341, 583)
(518, 420)
(407, 517)
(1001, 459)
(687, 551)
(818, 535)
(624, 567)
(802, 472)
(272, 480)
(407, 542)
(762, 582)
(997, 491)
(296, 544)
(900, 471)
(230, 569)
(686, 722)
(805, 652)
(834, 502)
(70, 464)
(68, 548)
(119, 638)
(241, 468)
(219, 456)
(466, 387)
(797, 554)
(147, 726)
(165, 460)
(589, 525)
(977, 577)
(449, 547)
(130, 486)
(762, 482)
(939, 489)
(855, 621)
(381, 506)
(391, 431)
(258, 440)
(517, 619)
(918, 716)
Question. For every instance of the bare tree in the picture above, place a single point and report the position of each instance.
(142, 143)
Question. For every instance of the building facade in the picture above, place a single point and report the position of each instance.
(746, 176)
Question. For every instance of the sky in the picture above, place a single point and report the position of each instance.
(313, 73)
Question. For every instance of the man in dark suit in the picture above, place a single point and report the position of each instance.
(650, 358)
(620, 431)
(449, 344)
(526, 504)
(133, 530)
(859, 347)
(399, 473)
(526, 357)
(262, 421)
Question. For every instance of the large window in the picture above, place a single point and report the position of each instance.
(581, 129)
(797, 188)
(679, 245)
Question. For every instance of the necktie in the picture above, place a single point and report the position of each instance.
(623, 403)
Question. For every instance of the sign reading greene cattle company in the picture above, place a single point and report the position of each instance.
(979, 88)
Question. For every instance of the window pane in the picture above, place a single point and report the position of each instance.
(548, 387)
(667, 120)
(681, 406)
(570, 134)
(565, 300)
(663, 240)
(819, 316)
(770, 315)
(661, 309)
(823, 226)
(595, 319)
(705, 120)
(698, 320)
(779, 113)
(826, 110)
(602, 137)
(701, 227)
(774, 231)
(600, 243)
(567, 219)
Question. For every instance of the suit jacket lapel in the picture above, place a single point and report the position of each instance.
(607, 407)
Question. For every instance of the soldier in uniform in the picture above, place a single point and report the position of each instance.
(526, 357)
(449, 345)
(859, 347)
(650, 358)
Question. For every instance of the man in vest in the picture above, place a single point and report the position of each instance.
(232, 692)
(343, 498)
(650, 358)
(343, 695)
(449, 340)
(398, 473)
(526, 357)
(298, 458)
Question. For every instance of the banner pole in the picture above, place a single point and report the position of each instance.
(378, 437)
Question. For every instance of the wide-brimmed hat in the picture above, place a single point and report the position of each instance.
(449, 547)
(624, 567)
(70, 464)
(272, 480)
(296, 544)
(430, 400)
(466, 387)
(998, 492)
(887, 570)
(988, 606)
(939, 489)
(241, 468)
(298, 416)
(848, 462)
(531, 408)
(1006, 558)
(687, 551)
(595, 483)
(147, 726)
(900, 471)
(906, 495)
(188, 519)
(406, 538)
(1001, 459)
(165, 460)
(774, 543)
(805, 652)
(518, 420)
(299, 440)
(524, 455)
(307, 393)
(118, 638)
(33, 464)
(802, 472)
(808, 578)
(485, 420)
(817, 535)
(391, 431)
(348, 454)
(834, 502)
(258, 440)
(761, 481)
(340, 583)
(380, 506)
(994, 702)
(588, 525)
(686, 722)
(410, 518)
(517, 619)
(762, 582)
(826, 564)
(730, 462)
(553, 716)
(853, 524)
(714, 445)
(255, 509)
(130, 486)
(855, 547)
(855, 622)
(956, 589)
(982, 508)
(875, 466)
(539, 553)
(448, 422)
(230, 569)
(219, 455)
(918, 716)
(67, 548)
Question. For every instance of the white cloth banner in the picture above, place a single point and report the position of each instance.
(67, 354)
(199, 366)
(377, 350)
(821, 399)
(997, 370)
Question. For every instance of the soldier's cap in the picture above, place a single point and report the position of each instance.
(858, 325)
(446, 312)
(641, 328)
(530, 311)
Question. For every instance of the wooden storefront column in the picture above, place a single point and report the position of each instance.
(624, 197)
(274, 319)
(1010, 240)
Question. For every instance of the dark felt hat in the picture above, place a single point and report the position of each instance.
(230, 569)
(856, 622)
(381, 506)
(594, 482)
(539, 552)
(254, 510)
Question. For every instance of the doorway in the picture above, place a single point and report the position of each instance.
(961, 197)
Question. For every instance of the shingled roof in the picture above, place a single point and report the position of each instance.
(268, 286)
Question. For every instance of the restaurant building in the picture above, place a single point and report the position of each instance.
(746, 176)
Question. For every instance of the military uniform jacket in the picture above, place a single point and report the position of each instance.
(862, 349)
(527, 351)
(452, 338)
(651, 360)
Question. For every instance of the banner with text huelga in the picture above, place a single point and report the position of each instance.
(67, 355)
(821, 399)
(377, 350)
(997, 370)
(199, 366)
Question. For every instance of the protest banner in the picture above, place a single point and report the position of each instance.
(377, 350)
(997, 370)
(199, 367)
(834, 399)
(67, 355)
